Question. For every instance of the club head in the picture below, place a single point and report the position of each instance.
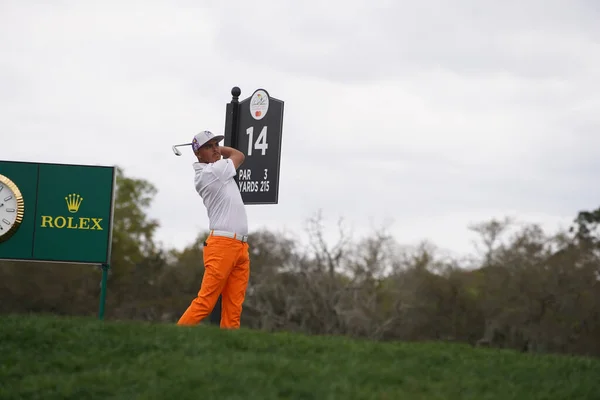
(176, 150)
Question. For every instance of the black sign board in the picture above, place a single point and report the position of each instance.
(254, 126)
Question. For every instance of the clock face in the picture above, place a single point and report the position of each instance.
(11, 208)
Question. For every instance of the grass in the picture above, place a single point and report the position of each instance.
(45, 357)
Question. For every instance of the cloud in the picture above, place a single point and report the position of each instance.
(366, 40)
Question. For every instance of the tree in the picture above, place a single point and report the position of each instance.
(133, 229)
(136, 260)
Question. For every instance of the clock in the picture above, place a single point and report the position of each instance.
(12, 208)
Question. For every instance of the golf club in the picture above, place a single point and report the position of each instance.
(176, 151)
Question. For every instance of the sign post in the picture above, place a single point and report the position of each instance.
(57, 213)
(254, 126)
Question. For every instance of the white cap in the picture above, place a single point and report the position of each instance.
(203, 137)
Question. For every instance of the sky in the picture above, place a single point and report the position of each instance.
(424, 117)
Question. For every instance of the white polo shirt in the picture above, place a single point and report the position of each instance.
(224, 205)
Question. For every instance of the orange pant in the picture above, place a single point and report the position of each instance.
(226, 272)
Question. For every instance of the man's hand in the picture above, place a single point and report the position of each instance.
(236, 156)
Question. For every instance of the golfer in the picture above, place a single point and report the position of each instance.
(226, 257)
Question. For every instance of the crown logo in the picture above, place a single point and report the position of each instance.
(73, 202)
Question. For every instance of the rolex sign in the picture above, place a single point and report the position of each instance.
(66, 212)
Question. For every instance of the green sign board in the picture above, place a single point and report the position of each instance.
(57, 213)
(66, 215)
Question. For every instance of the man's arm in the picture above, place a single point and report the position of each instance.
(235, 155)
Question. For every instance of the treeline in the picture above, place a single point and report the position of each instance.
(525, 290)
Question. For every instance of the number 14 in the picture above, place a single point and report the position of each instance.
(261, 140)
